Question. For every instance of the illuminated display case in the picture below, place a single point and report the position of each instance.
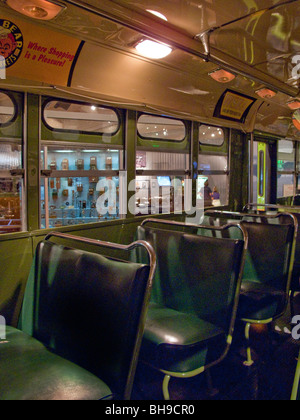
(80, 184)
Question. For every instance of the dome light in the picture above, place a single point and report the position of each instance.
(266, 93)
(222, 76)
(36, 9)
(294, 105)
(157, 14)
(152, 49)
(296, 119)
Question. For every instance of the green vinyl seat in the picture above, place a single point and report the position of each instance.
(194, 299)
(80, 329)
(266, 280)
(268, 267)
(29, 371)
(295, 211)
(180, 342)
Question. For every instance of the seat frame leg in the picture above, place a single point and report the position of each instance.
(249, 362)
(212, 392)
(292, 303)
(296, 381)
(165, 387)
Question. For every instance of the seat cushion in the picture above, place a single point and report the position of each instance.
(28, 371)
(260, 302)
(180, 342)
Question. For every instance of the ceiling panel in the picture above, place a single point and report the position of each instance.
(267, 41)
(197, 16)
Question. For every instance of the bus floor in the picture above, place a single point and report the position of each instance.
(270, 378)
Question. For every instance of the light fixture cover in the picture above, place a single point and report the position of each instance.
(157, 14)
(36, 9)
(266, 93)
(222, 76)
(296, 119)
(294, 105)
(153, 49)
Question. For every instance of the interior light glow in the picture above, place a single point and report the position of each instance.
(36, 9)
(222, 76)
(152, 49)
(294, 105)
(158, 14)
(266, 93)
(296, 119)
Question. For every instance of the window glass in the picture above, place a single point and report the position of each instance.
(212, 190)
(11, 205)
(68, 158)
(10, 156)
(261, 185)
(213, 163)
(159, 194)
(160, 128)
(213, 136)
(7, 109)
(161, 161)
(286, 155)
(285, 185)
(78, 200)
(69, 116)
(83, 195)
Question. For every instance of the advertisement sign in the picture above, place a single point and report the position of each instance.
(36, 53)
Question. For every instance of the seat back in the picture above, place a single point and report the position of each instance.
(269, 254)
(271, 249)
(89, 309)
(295, 211)
(196, 274)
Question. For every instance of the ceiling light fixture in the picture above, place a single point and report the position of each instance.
(157, 14)
(294, 105)
(296, 119)
(222, 76)
(36, 9)
(153, 49)
(266, 93)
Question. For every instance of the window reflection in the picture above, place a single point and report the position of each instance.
(69, 116)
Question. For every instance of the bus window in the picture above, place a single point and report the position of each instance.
(286, 166)
(12, 198)
(8, 109)
(213, 136)
(68, 116)
(161, 128)
(160, 182)
(213, 164)
(82, 185)
(261, 178)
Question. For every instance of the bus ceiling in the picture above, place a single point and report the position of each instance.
(242, 55)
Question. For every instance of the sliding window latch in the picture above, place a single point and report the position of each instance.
(46, 173)
(17, 172)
